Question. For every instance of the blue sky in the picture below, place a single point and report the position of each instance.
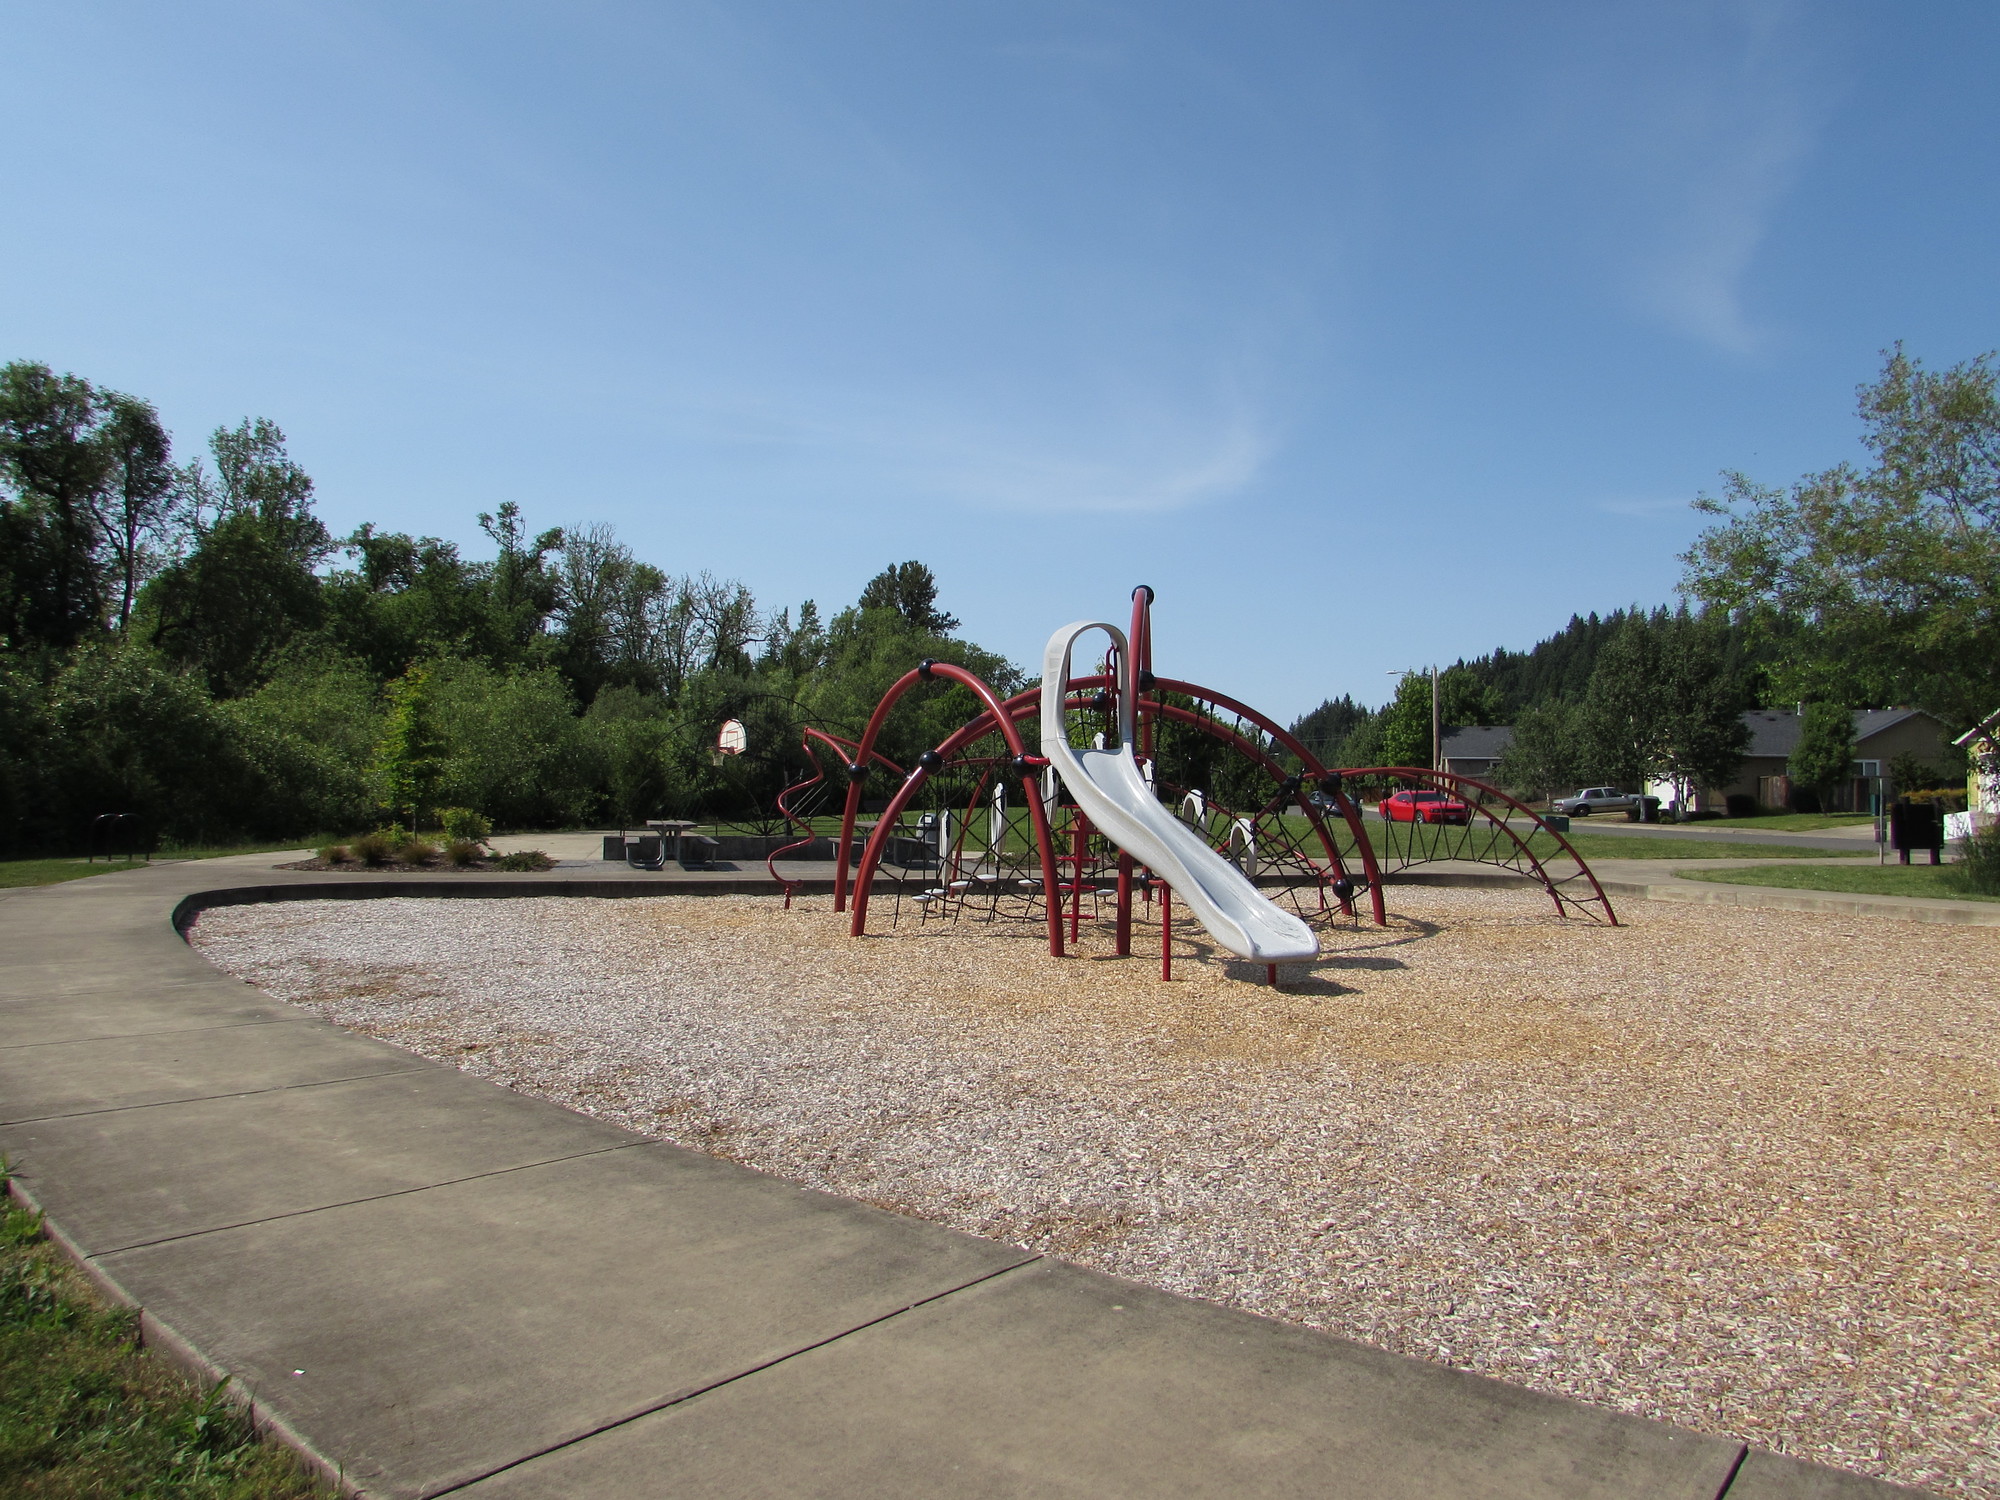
(1370, 335)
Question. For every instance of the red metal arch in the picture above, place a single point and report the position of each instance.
(1451, 782)
(996, 715)
(848, 752)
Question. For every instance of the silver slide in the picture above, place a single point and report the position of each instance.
(1112, 792)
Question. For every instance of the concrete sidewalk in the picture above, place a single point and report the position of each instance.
(442, 1287)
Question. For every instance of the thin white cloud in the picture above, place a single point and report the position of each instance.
(1729, 146)
(1193, 471)
(1171, 457)
(1695, 121)
(1643, 509)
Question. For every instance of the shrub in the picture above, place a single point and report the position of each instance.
(463, 825)
(1979, 860)
(461, 852)
(336, 854)
(420, 852)
(374, 849)
(526, 859)
(1947, 798)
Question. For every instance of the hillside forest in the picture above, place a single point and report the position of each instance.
(182, 638)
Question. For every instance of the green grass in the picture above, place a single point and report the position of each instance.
(1639, 846)
(15, 873)
(1862, 880)
(1589, 845)
(86, 1414)
(1786, 822)
(20, 872)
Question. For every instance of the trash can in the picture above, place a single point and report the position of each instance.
(1649, 809)
(1916, 825)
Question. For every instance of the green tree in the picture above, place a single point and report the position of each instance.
(514, 746)
(127, 735)
(233, 604)
(1881, 584)
(51, 583)
(1547, 754)
(311, 733)
(1325, 730)
(1824, 755)
(525, 590)
(1662, 706)
(410, 757)
(634, 734)
(1621, 715)
(137, 504)
(911, 590)
(1405, 724)
(1702, 736)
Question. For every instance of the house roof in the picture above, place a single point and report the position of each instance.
(1478, 742)
(1987, 728)
(1774, 732)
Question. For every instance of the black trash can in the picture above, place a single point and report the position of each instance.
(1916, 825)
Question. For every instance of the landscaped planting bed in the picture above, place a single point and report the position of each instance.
(1728, 1167)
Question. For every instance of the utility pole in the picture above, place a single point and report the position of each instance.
(1437, 727)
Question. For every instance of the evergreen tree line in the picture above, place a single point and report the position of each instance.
(1637, 695)
(186, 641)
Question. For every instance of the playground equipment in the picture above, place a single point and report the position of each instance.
(1114, 793)
(1145, 787)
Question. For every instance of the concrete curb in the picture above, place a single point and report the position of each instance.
(166, 1341)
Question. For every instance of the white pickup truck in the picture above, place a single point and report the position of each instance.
(1596, 799)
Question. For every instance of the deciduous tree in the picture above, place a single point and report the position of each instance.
(1878, 584)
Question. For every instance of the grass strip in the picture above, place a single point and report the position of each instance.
(1639, 846)
(1940, 882)
(1786, 822)
(88, 1414)
(15, 873)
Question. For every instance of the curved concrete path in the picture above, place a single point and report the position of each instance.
(437, 1286)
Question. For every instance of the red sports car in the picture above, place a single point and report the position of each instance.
(1423, 807)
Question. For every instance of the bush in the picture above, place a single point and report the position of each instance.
(461, 852)
(374, 849)
(526, 859)
(420, 852)
(1979, 860)
(1947, 798)
(463, 825)
(336, 854)
(1741, 805)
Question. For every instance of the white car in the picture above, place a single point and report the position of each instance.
(1596, 799)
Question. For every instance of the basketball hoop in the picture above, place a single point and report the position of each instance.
(732, 739)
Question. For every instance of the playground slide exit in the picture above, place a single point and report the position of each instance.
(1112, 792)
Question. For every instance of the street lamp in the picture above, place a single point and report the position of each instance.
(1437, 727)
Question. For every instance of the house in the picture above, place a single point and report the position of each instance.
(1475, 750)
(1880, 736)
(1981, 745)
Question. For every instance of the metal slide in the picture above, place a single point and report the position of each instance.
(1111, 790)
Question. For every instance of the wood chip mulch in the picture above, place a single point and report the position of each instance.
(1728, 1167)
